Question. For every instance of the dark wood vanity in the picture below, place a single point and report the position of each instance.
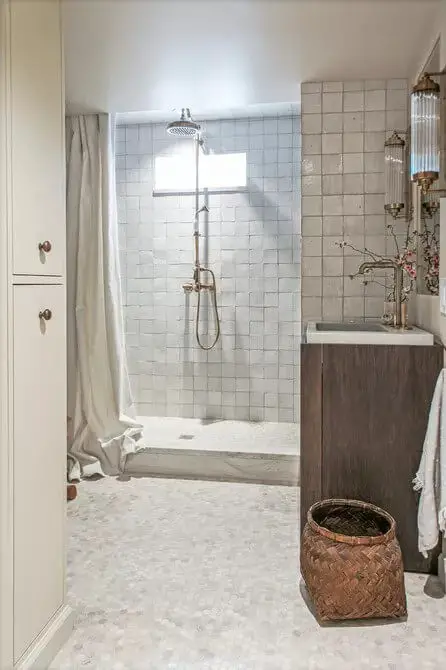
(364, 411)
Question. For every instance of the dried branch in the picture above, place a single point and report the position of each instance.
(363, 252)
(395, 239)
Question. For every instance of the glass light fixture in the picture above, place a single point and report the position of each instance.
(430, 202)
(425, 127)
(394, 174)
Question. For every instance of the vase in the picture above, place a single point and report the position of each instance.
(404, 314)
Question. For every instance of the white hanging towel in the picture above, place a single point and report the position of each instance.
(431, 476)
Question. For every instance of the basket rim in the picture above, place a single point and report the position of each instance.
(351, 539)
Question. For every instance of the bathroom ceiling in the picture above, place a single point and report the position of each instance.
(209, 113)
(137, 55)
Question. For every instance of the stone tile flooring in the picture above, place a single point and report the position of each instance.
(187, 575)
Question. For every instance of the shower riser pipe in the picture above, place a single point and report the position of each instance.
(197, 189)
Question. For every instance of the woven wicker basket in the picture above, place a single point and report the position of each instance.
(351, 561)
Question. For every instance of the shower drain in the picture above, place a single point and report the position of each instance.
(183, 436)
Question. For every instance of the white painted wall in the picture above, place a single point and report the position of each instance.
(150, 54)
(442, 26)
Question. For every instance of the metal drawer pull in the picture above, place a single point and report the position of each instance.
(46, 314)
(45, 246)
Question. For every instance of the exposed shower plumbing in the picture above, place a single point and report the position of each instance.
(187, 127)
(204, 208)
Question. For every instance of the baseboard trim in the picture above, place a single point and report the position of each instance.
(41, 652)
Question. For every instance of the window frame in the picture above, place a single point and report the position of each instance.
(181, 190)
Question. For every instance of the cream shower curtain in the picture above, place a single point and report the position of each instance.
(102, 425)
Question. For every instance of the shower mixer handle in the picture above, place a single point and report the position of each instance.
(191, 287)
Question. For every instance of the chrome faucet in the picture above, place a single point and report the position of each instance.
(398, 281)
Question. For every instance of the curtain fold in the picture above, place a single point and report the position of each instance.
(103, 428)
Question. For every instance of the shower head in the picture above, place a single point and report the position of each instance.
(185, 127)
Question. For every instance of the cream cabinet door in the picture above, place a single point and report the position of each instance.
(37, 138)
(39, 392)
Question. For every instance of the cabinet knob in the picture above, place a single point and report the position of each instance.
(45, 246)
(46, 314)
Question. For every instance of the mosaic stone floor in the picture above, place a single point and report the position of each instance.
(187, 575)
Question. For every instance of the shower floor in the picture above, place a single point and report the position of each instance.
(260, 452)
(221, 435)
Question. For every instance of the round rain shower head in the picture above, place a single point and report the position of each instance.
(185, 127)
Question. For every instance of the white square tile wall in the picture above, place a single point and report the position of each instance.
(251, 241)
(344, 126)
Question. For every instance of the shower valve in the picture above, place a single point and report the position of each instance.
(190, 287)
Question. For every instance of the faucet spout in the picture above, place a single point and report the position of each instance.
(398, 281)
(377, 265)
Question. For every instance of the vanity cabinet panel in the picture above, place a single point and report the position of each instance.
(39, 437)
(36, 117)
(372, 408)
(310, 428)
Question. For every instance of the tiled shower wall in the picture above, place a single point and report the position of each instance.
(251, 239)
(344, 127)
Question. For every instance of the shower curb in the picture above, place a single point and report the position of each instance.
(222, 466)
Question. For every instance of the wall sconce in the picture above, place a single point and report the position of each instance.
(425, 129)
(430, 208)
(394, 174)
(430, 201)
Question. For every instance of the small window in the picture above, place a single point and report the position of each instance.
(217, 171)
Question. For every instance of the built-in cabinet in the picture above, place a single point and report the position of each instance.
(364, 412)
(39, 459)
(34, 617)
(36, 138)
